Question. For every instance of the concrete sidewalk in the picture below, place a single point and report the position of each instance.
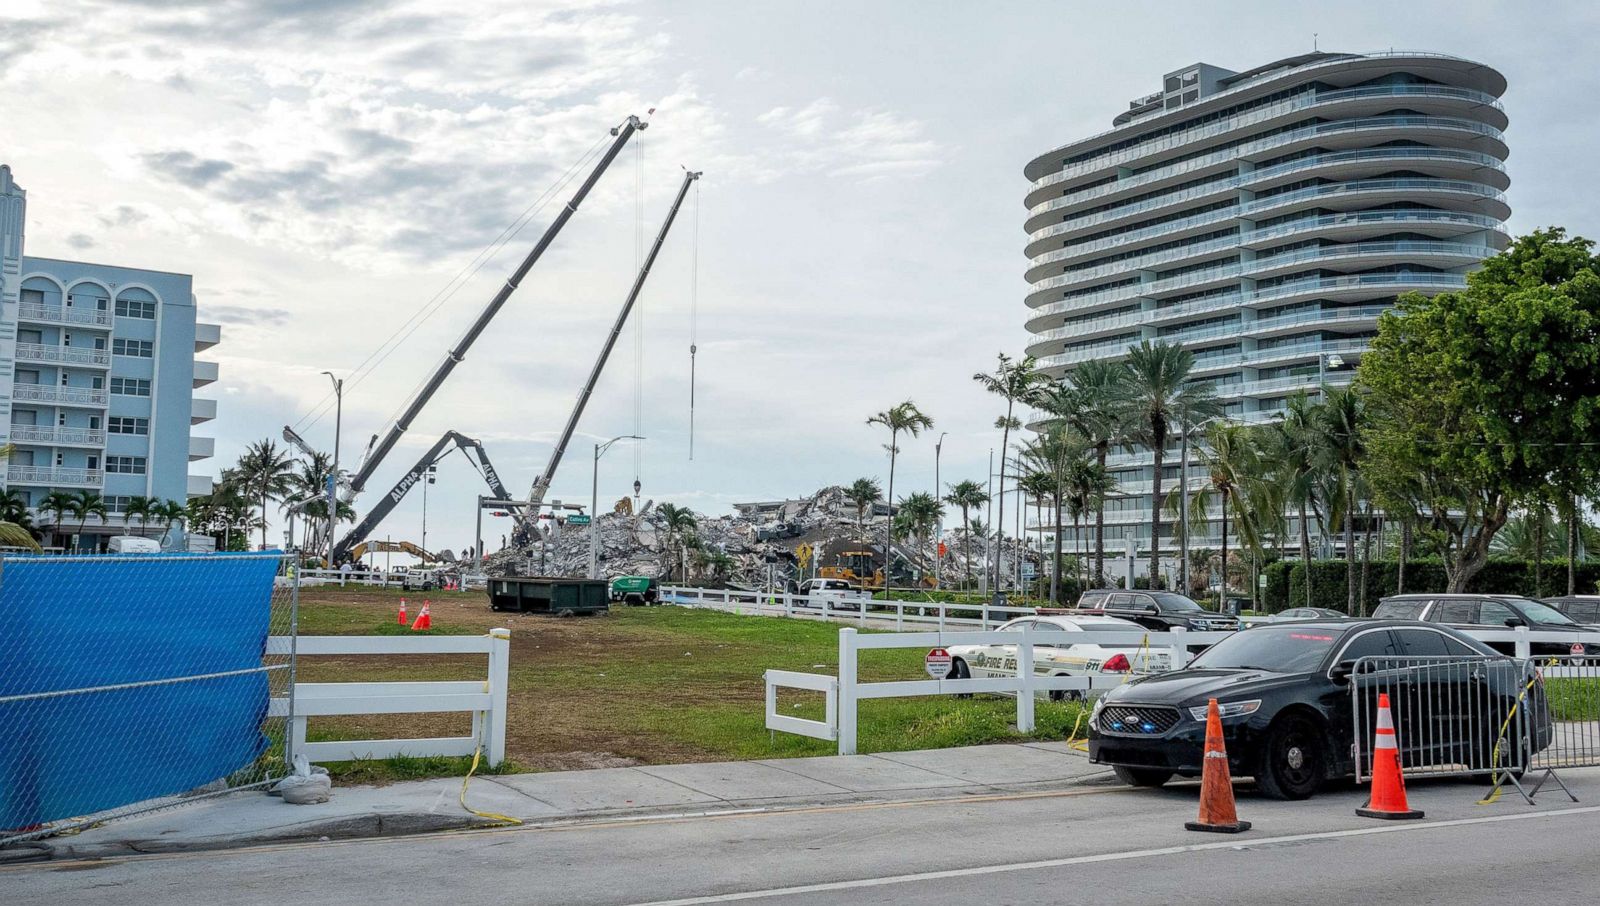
(253, 818)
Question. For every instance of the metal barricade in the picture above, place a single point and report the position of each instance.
(1569, 706)
(1452, 715)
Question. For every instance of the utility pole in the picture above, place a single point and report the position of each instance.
(594, 504)
(333, 476)
(431, 473)
(1183, 509)
(938, 527)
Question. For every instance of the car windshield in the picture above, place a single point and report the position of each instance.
(1170, 602)
(1539, 612)
(1282, 649)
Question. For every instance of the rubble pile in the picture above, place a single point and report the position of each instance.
(740, 551)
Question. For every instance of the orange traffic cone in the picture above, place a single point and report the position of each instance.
(402, 618)
(1217, 814)
(1388, 799)
(423, 620)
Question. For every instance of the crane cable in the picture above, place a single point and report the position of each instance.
(443, 295)
(694, 311)
(639, 309)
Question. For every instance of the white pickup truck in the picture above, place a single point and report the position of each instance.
(841, 594)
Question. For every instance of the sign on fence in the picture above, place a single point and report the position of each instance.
(938, 663)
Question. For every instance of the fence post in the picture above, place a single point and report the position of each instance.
(788, 604)
(847, 690)
(863, 607)
(499, 668)
(984, 620)
(899, 616)
(1025, 681)
(941, 617)
(1524, 649)
(1177, 652)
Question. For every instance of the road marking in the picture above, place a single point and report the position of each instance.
(1105, 857)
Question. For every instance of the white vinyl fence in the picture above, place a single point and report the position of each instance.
(917, 614)
(843, 693)
(485, 699)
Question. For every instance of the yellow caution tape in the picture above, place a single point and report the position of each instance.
(477, 754)
(1497, 776)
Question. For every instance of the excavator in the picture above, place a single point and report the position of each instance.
(345, 548)
(393, 547)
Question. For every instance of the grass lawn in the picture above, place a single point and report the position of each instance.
(641, 686)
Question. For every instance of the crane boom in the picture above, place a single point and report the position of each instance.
(378, 449)
(542, 483)
(399, 491)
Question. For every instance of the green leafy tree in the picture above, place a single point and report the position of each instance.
(904, 418)
(1161, 396)
(1095, 403)
(1485, 398)
(16, 527)
(1015, 382)
(863, 493)
(1343, 444)
(967, 496)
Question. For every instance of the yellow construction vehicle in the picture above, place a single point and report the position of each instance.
(391, 547)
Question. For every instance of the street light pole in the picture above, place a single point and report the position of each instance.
(594, 503)
(333, 476)
(938, 526)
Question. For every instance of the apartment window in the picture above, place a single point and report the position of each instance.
(127, 425)
(130, 386)
(27, 376)
(63, 378)
(33, 297)
(94, 423)
(117, 504)
(61, 458)
(142, 349)
(94, 461)
(66, 338)
(125, 465)
(61, 419)
(132, 308)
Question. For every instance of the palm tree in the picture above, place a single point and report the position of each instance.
(1094, 402)
(1051, 454)
(968, 495)
(676, 520)
(265, 472)
(1016, 382)
(863, 492)
(1343, 424)
(1295, 449)
(56, 504)
(917, 516)
(16, 527)
(138, 505)
(1088, 485)
(1233, 471)
(84, 504)
(908, 418)
(1160, 394)
(168, 511)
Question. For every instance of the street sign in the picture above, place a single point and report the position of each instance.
(938, 663)
(578, 519)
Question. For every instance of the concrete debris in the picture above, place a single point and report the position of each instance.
(742, 551)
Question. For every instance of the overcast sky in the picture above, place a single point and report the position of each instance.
(325, 167)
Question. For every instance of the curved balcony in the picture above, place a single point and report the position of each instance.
(1347, 225)
(1442, 162)
(1470, 134)
(1372, 254)
(1472, 196)
(1350, 287)
(1485, 104)
(1214, 362)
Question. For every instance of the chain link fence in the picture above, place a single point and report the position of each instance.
(135, 683)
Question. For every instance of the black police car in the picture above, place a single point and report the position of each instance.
(1285, 701)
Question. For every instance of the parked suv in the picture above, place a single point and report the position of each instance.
(1581, 608)
(1465, 611)
(841, 595)
(1158, 610)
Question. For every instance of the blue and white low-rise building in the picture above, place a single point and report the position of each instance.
(97, 381)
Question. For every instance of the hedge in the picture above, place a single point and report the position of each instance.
(1286, 581)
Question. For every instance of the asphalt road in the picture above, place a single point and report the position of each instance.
(1105, 845)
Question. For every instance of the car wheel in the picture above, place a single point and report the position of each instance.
(1293, 763)
(958, 670)
(1065, 695)
(1150, 777)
